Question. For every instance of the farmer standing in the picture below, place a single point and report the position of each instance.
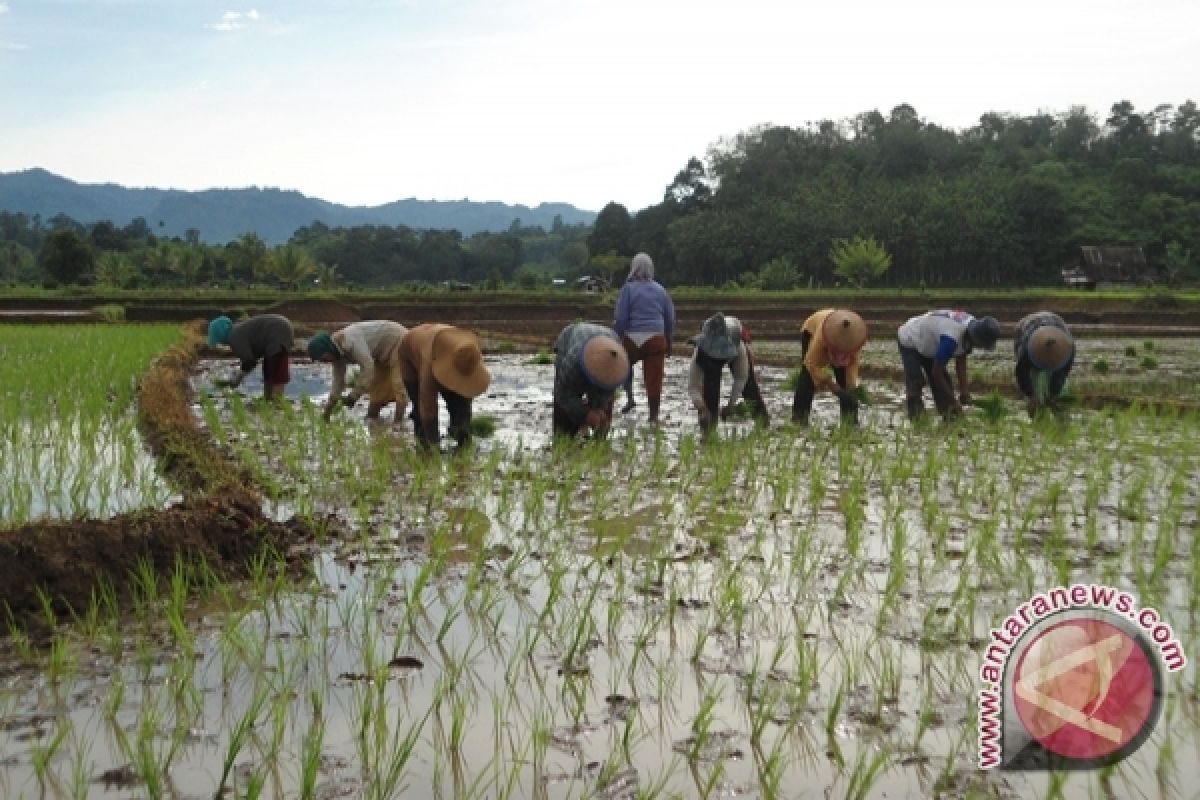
(645, 321)
(266, 337)
(718, 345)
(928, 342)
(589, 364)
(441, 359)
(1045, 353)
(830, 340)
(374, 345)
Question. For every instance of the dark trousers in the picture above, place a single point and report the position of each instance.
(1058, 379)
(711, 369)
(460, 416)
(918, 370)
(752, 394)
(806, 388)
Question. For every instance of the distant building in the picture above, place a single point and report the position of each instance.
(559, 283)
(592, 284)
(1109, 266)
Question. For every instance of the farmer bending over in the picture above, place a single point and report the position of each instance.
(1045, 353)
(442, 359)
(831, 339)
(928, 342)
(589, 365)
(374, 346)
(266, 337)
(720, 344)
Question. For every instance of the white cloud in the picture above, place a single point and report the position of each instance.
(3, 7)
(236, 20)
(13, 46)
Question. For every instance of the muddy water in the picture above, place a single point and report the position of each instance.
(768, 613)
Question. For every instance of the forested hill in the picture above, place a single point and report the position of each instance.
(222, 215)
(1006, 202)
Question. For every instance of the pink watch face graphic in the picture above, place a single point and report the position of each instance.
(1086, 690)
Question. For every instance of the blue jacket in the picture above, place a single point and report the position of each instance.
(644, 306)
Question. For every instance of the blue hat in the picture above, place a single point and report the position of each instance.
(218, 331)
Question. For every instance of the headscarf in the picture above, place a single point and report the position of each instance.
(642, 268)
(321, 344)
(218, 331)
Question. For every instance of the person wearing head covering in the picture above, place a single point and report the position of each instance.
(441, 359)
(267, 338)
(374, 345)
(589, 365)
(1045, 353)
(928, 342)
(743, 365)
(718, 345)
(830, 343)
(644, 321)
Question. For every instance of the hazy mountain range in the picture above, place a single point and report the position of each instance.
(274, 214)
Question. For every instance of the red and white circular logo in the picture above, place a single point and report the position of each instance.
(1086, 689)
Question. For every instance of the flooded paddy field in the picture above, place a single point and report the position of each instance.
(1165, 368)
(69, 444)
(773, 612)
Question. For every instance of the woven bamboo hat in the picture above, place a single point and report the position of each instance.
(1050, 347)
(604, 362)
(458, 363)
(844, 331)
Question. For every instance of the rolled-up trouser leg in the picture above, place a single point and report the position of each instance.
(654, 364)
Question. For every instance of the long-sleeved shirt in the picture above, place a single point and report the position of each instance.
(940, 335)
(365, 344)
(739, 366)
(260, 337)
(816, 358)
(574, 394)
(644, 307)
(416, 365)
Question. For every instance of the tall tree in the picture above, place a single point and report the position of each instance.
(65, 257)
(610, 232)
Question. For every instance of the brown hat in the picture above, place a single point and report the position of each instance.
(1049, 347)
(844, 331)
(604, 362)
(458, 362)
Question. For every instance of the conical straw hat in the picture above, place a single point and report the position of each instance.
(604, 362)
(1050, 347)
(844, 331)
(458, 363)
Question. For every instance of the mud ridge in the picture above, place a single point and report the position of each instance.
(220, 522)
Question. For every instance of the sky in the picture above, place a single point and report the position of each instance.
(363, 102)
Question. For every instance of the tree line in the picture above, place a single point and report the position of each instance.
(1006, 202)
(62, 251)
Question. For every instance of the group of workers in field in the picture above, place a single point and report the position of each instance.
(591, 362)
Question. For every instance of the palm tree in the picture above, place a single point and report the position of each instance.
(115, 269)
(292, 265)
(327, 276)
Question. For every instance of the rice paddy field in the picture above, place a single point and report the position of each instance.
(773, 612)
